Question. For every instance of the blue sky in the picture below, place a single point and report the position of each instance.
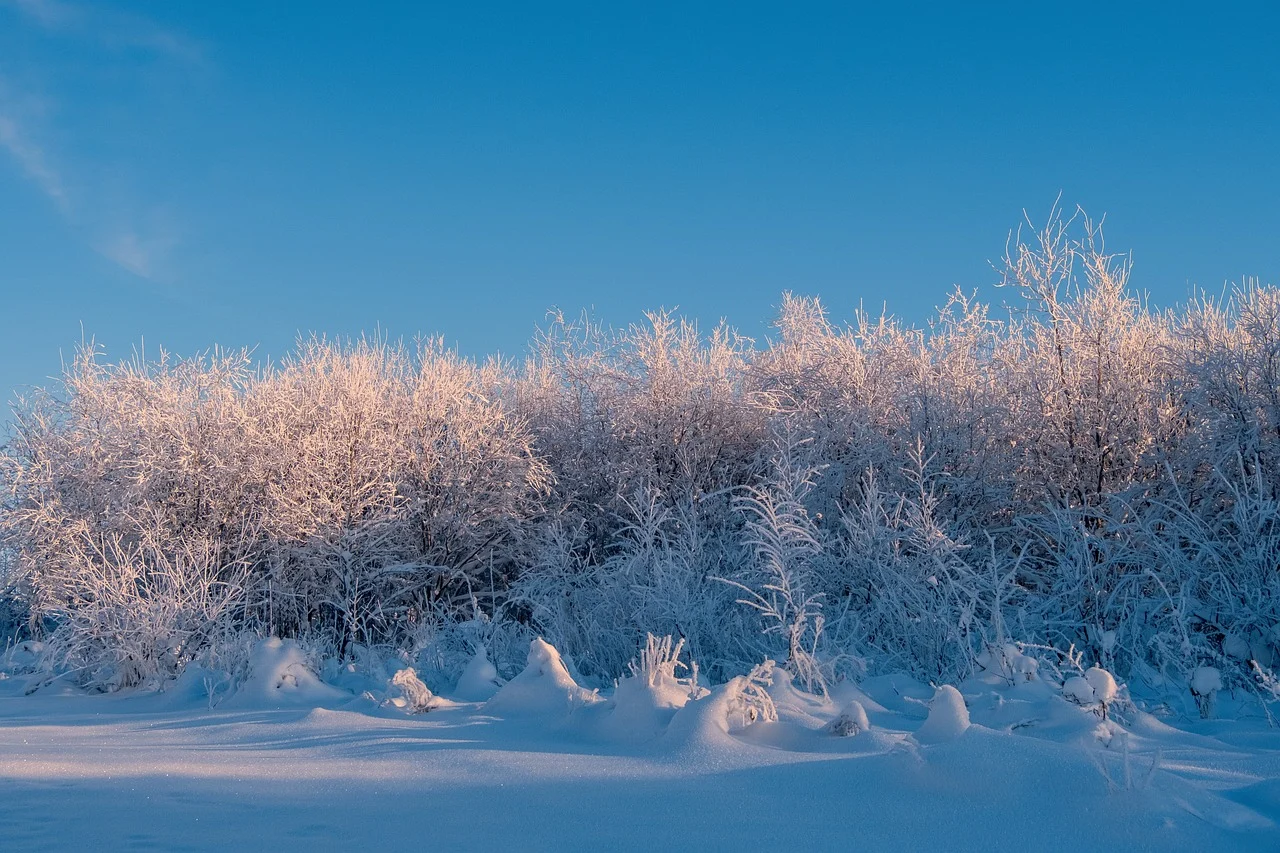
(235, 173)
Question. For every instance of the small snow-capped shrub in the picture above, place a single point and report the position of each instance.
(1094, 689)
(544, 686)
(1077, 689)
(734, 705)
(280, 672)
(644, 703)
(1103, 685)
(748, 699)
(851, 721)
(948, 716)
(658, 663)
(1206, 681)
(479, 679)
(1008, 662)
(408, 692)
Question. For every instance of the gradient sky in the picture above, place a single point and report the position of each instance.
(192, 173)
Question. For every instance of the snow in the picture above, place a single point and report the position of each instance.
(1078, 689)
(948, 717)
(543, 687)
(409, 693)
(479, 680)
(1206, 680)
(215, 763)
(1102, 683)
(852, 720)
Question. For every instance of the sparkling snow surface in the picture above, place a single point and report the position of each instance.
(292, 763)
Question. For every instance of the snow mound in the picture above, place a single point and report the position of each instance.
(479, 680)
(1078, 689)
(543, 687)
(23, 657)
(729, 708)
(643, 710)
(948, 717)
(279, 675)
(1102, 683)
(852, 720)
(1206, 680)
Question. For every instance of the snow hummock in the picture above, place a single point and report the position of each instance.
(479, 680)
(851, 721)
(1102, 683)
(544, 686)
(948, 717)
(729, 708)
(1206, 680)
(644, 702)
(1078, 689)
(407, 692)
(279, 675)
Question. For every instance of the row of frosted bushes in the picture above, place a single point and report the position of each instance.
(1082, 473)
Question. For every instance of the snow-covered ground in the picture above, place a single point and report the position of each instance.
(289, 762)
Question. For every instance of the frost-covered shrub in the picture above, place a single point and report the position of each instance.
(408, 692)
(1206, 681)
(1088, 474)
(135, 613)
(851, 720)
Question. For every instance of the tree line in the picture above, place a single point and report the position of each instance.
(1081, 472)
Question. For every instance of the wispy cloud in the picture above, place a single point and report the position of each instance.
(33, 161)
(110, 28)
(47, 13)
(139, 245)
(128, 251)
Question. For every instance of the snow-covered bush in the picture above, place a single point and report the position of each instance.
(129, 613)
(948, 716)
(408, 692)
(544, 686)
(1087, 474)
(1206, 681)
(851, 720)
